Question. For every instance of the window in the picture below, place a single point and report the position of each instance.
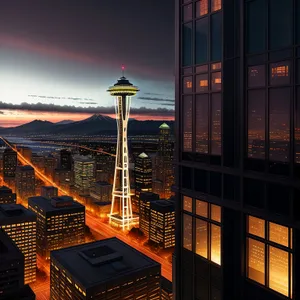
(256, 124)
(187, 123)
(202, 69)
(280, 73)
(201, 238)
(216, 66)
(297, 127)
(275, 244)
(188, 84)
(187, 44)
(201, 83)
(187, 12)
(202, 123)
(187, 232)
(202, 208)
(216, 37)
(216, 129)
(256, 76)
(216, 5)
(216, 81)
(201, 41)
(201, 8)
(188, 203)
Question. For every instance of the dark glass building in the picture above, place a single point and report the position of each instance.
(238, 149)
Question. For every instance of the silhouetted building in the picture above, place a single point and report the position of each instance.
(7, 196)
(20, 225)
(237, 173)
(60, 223)
(64, 178)
(26, 153)
(166, 289)
(25, 182)
(101, 191)
(65, 159)
(9, 164)
(49, 191)
(109, 269)
(38, 161)
(50, 164)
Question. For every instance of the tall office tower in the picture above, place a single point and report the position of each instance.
(12, 271)
(20, 225)
(107, 269)
(101, 191)
(64, 178)
(65, 159)
(9, 164)
(49, 191)
(105, 167)
(25, 182)
(84, 171)
(25, 152)
(7, 196)
(60, 223)
(50, 164)
(237, 113)
(163, 164)
(121, 208)
(166, 289)
(144, 208)
(38, 161)
(162, 223)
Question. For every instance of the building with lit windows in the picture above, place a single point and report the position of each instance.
(38, 161)
(25, 152)
(19, 224)
(143, 174)
(25, 182)
(7, 196)
(64, 178)
(50, 164)
(166, 289)
(84, 173)
(237, 149)
(12, 271)
(49, 191)
(101, 191)
(65, 159)
(103, 270)
(60, 223)
(162, 223)
(9, 165)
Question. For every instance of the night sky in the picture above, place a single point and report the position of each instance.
(67, 53)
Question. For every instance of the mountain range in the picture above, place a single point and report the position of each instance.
(96, 124)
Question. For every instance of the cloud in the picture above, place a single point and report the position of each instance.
(87, 102)
(154, 94)
(168, 104)
(41, 107)
(59, 98)
(156, 99)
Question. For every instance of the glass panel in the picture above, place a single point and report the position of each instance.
(187, 232)
(187, 71)
(216, 66)
(279, 270)
(202, 69)
(187, 12)
(201, 238)
(256, 124)
(201, 208)
(279, 234)
(201, 83)
(202, 123)
(215, 213)
(216, 37)
(187, 203)
(216, 5)
(187, 44)
(256, 26)
(279, 124)
(216, 81)
(201, 8)
(216, 129)
(256, 226)
(187, 123)
(281, 20)
(256, 76)
(280, 73)
(297, 126)
(291, 275)
(215, 246)
(201, 40)
(291, 238)
(298, 22)
(188, 84)
(256, 261)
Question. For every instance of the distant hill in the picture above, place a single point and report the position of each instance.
(96, 124)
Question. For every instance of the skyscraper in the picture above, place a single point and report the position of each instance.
(65, 159)
(143, 174)
(237, 133)
(25, 182)
(9, 164)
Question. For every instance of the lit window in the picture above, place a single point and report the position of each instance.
(187, 123)
(216, 5)
(279, 234)
(215, 213)
(201, 83)
(201, 8)
(187, 203)
(201, 208)
(187, 232)
(201, 238)
(256, 226)
(216, 66)
(215, 246)
(256, 261)
(280, 73)
(187, 84)
(216, 81)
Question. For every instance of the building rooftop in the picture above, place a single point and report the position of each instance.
(143, 155)
(5, 189)
(8, 249)
(164, 126)
(148, 196)
(162, 206)
(12, 213)
(48, 187)
(102, 183)
(83, 158)
(103, 261)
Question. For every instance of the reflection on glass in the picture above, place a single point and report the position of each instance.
(280, 73)
(256, 124)
(201, 40)
(187, 12)
(279, 270)
(201, 208)
(187, 203)
(216, 37)
(187, 84)
(279, 234)
(201, 83)
(216, 81)
(215, 244)
(215, 212)
(202, 123)
(216, 66)
(187, 232)
(256, 226)
(187, 44)
(297, 124)
(202, 69)
(291, 276)
(216, 5)
(279, 124)
(201, 238)
(201, 8)
(187, 123)
(256, 261)
(256, 76)
(216, 129)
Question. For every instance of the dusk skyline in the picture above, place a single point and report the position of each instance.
(66, 56)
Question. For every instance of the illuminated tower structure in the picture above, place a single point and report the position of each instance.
(121, 208)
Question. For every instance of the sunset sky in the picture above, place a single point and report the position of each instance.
(58, 58)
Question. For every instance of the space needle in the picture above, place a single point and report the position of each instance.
(121, 209)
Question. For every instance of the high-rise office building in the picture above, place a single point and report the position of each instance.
(38, 161)
(9, 164)
(12, 271)
(20, 225)
(60, 223)
(49, 191)
(25, 152)
(107, 269)
(25, 182)
(50, 164)
(162, 223)
(237, 152)
(7, 196)
(64, 178)
(65, 159)
(101, 191)
(84, 171)
(143, 174)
